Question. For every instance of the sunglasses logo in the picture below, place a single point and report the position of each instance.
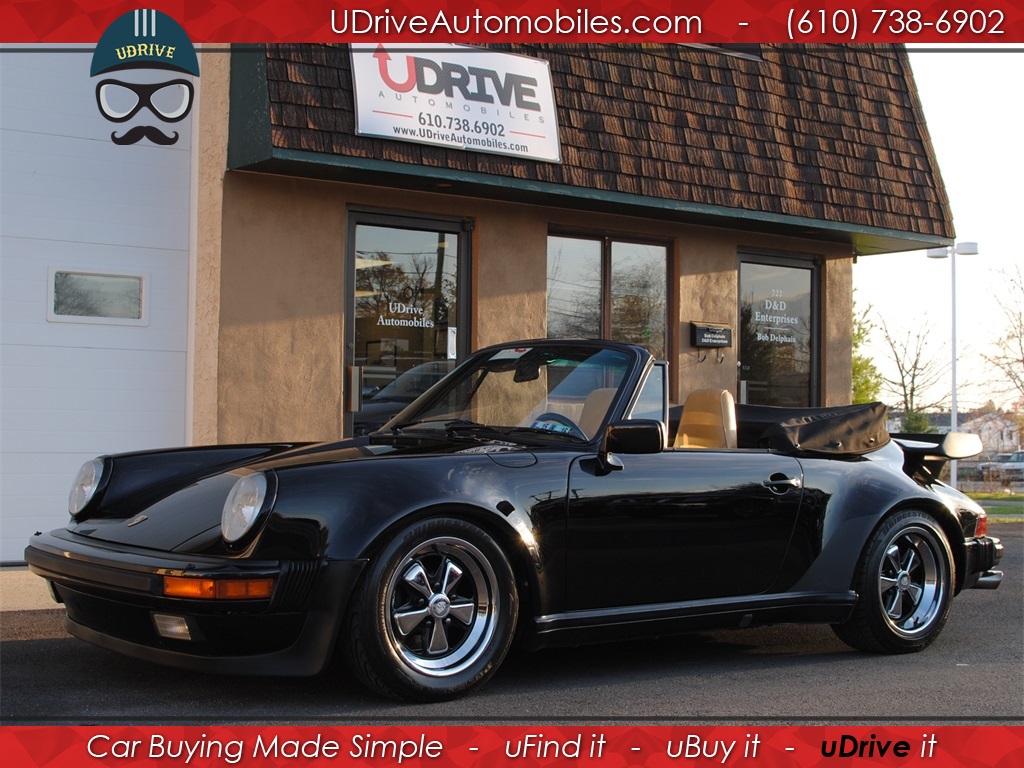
(120, 101)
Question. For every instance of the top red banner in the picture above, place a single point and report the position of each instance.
(989, 22)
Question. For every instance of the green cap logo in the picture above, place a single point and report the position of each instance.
(144, 39)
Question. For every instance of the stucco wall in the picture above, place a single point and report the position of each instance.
(281, 318)
(210, 158)
(509, 274)
(837, 321)
(281, 312)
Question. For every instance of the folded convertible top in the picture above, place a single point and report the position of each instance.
(845, 430)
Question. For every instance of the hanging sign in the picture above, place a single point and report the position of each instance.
(715, 336)
(456, 96)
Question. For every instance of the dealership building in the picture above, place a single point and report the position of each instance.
(333, 217)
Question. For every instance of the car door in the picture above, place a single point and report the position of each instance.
(685, 524)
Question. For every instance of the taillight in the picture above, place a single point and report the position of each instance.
(981, 527)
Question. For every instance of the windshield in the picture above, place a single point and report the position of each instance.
(414, 382)
(561, 389)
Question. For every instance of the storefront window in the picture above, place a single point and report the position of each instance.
(778, 331)
(406, 303)
(608, 288)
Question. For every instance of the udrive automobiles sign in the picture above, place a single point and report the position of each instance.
(456, 96)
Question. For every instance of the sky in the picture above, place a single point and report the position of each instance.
(975, 113)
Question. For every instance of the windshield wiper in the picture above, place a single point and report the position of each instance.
(458, 426)
(451, 426)
(540, 431)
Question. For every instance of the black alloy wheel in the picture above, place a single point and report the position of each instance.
(435, 614)
(904, 583)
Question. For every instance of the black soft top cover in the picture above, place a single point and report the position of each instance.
(849, 430)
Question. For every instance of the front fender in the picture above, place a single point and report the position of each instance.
(350, 509)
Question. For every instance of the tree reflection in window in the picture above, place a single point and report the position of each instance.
(81, 294)
(629, 305)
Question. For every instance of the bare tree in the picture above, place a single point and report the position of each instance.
(919, 375)
(1008, 358)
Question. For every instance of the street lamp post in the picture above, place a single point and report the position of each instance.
(950, 252)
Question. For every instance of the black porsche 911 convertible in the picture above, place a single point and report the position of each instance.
(544, 492)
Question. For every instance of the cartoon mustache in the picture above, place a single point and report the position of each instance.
(140, 132)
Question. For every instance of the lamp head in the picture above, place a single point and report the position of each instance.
(960, 249)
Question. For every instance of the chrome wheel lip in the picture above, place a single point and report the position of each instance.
(471, 598)
(912, 581)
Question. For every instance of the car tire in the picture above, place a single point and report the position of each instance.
(904, 582)
(435, 613)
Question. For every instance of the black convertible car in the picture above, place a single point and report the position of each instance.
(544, 492)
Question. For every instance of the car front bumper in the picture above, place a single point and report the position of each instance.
(982, 553)
(114, 599)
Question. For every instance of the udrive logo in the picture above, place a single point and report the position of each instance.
(434, 77)
(154, 62)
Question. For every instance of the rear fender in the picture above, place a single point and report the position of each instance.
(871, 492)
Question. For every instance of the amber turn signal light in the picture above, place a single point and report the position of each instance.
(218, 589)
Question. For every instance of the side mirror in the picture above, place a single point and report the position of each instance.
(630, 437)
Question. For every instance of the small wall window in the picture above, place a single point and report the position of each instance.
(94, 297)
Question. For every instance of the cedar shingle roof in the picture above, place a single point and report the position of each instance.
(830, 133)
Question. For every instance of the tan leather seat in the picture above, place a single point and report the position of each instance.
(708, 420)
(594, 410)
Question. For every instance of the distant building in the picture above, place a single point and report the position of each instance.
(999, 433)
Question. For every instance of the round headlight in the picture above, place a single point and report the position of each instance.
(85, 485)
(242, 506)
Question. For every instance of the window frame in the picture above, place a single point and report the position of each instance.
(144, 302)
(794, 261)
(462, 228)
(607, 241)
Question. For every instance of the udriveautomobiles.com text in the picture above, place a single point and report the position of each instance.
(582, 22)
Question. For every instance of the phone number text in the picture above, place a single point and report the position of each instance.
(847, 22)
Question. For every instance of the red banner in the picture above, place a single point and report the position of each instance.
(991, 22)
(507, 747)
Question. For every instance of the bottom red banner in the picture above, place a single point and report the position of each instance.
(481, 746)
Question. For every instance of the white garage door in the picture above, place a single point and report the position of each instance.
(94, 286)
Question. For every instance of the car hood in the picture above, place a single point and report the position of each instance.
(384, 446)
(187, 518)
(167, 524)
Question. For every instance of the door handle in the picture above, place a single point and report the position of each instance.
(780, 483)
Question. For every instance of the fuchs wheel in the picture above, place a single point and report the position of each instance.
(436, 613)
(904, 585)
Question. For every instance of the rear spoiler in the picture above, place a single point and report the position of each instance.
(929, 453)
